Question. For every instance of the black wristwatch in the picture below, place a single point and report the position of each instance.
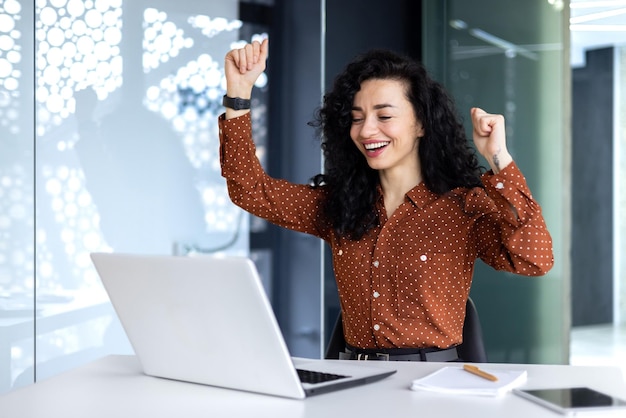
(236, 103)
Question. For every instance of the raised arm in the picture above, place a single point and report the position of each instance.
(242, 67)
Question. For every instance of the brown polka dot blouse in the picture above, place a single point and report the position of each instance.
(405, 283)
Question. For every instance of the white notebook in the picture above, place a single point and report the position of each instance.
(455, 380)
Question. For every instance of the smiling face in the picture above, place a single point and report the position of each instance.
(384, 127)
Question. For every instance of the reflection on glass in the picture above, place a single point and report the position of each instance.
(10, 59)
(514, 68)
(16, 195)
(78, 46)
(126, 100)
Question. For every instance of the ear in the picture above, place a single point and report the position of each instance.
(419, 131)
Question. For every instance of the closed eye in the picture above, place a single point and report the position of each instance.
(357, 119)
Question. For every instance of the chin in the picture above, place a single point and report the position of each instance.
(376, 167)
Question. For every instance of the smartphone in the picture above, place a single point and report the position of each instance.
(574, 401)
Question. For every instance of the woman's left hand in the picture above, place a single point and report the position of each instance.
(490, 138)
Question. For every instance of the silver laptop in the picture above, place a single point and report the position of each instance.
(208, 320)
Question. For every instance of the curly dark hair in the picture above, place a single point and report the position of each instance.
(447, 159)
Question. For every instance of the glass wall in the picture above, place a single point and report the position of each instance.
(17, 227)
(511, 57)
(118, 152)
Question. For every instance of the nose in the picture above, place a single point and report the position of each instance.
(369, 127)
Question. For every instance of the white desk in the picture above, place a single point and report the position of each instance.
(115, 387)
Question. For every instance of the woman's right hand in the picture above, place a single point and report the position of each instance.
(243, 66)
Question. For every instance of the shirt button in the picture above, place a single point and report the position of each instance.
(376, 294)
(340, 252)
(376, 327)
(423, 257)
(376, 263)
(499, 185)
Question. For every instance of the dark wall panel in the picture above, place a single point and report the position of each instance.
(353, 27)
(592, 193)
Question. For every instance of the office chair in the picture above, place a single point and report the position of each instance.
(472, 349)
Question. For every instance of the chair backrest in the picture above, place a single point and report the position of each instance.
(472, 349)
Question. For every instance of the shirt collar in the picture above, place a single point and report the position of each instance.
(419, 195)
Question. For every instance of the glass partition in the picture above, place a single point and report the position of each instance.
(511, 57)
(17, 249)
(118, 152)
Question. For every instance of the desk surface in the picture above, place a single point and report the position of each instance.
(115, 386)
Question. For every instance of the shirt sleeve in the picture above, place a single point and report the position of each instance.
(293, 206)
(512, 234)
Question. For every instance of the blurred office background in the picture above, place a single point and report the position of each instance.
(108, 142)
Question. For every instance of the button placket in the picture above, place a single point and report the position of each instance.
(375, 295)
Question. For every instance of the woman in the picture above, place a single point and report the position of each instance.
(402, 202)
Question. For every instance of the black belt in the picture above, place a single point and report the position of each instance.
(400, 354)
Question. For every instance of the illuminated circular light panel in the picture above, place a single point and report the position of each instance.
(78, 46)
(10, 59)
(162, 39)
(211, 27)
(16, 223)
(75, 212)
(191, 100)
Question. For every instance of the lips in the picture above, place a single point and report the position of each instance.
(375, 145)
(375, 148)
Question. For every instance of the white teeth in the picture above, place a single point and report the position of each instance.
(375, 145)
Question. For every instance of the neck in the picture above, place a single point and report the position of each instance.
(395, 186)
(398, 183)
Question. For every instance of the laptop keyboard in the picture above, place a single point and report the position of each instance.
(309, 376)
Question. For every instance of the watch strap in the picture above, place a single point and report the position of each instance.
(236, 103)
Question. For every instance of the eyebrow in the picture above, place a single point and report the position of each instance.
(376, 107)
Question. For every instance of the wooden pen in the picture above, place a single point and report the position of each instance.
(475, 370)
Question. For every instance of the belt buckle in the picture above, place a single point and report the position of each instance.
(375, 356)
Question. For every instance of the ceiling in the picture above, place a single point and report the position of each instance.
(595, 24)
